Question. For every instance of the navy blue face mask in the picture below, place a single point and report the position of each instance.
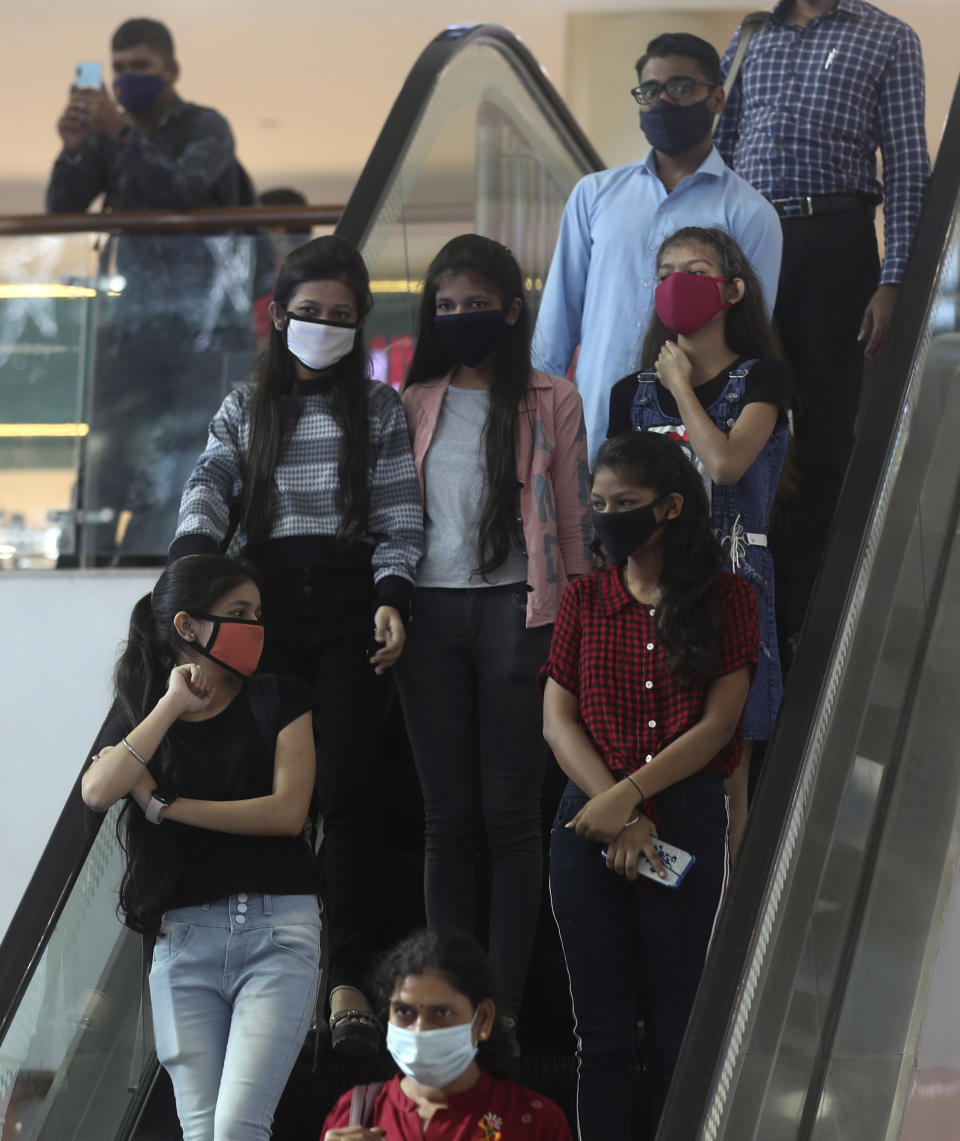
(623, 532)
(470, 338)
(136, 92)
(673, 128)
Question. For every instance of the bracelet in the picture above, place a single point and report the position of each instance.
(133, 752)
(627, 777)
(633, 821)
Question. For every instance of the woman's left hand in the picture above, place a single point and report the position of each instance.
(674, 368)
(604, 815)
(388, 628)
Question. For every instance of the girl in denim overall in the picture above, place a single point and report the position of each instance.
(712, 377)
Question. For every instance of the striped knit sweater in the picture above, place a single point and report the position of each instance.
(308, 501)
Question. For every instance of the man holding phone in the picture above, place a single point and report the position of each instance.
(175, 323)
(149, 149)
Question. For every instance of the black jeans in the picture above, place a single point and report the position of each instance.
(635, 950)
(468, 685)
(319, 625)
(829, 272)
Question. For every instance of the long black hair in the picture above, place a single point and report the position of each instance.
(495, 266)
(748, 331)
(275, 404)
(465, 965)
(687, 616)
(194, 583)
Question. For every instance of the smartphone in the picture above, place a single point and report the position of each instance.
(676, 863)
(88, 75)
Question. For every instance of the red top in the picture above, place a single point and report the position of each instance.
(493, 1109)
(606, 651)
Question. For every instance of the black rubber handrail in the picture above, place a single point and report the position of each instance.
(706, 1033)
(399, 130)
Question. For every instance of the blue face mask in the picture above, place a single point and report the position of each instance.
(136, 92)
(432, 1058)
(673, 128)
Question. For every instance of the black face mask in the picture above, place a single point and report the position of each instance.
(470, 338)
(623, 532)
(673, 128)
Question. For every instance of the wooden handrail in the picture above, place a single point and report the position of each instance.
(215, 218)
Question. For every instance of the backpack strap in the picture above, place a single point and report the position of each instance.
(363, 1101)
(263, 694)
(749, 27)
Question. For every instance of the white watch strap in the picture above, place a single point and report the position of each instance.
(152, 811)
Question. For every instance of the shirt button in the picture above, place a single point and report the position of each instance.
(649, 758)
(242, 897)
(649, 645)
(241, 907)
(646, 285)
(652, 724)
(653, 245)
(649, 684)
(241, 919)
(653, 610)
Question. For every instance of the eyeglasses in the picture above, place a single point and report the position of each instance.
(677, 87)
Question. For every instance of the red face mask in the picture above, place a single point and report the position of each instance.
(686, 301)
(234, 643)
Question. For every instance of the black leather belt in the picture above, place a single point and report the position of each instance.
(823, 204)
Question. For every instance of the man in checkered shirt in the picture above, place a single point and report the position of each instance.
(824, 85)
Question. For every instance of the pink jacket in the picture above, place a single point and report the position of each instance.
(552, 469)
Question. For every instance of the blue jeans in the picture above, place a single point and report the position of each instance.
(233, 987)
(635, 949)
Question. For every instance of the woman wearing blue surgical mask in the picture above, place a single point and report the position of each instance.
(216, 772)
(451, 1049)
(501, 454)
(313, 465)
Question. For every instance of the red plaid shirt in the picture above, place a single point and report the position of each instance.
(606, 651)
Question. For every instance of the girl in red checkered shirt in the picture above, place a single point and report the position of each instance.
(644, 690)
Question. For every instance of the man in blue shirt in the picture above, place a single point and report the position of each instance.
(824, 85)
(599, 292)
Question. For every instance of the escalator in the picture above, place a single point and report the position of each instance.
(814, 1019)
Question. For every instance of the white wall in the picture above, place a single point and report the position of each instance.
(61, 632)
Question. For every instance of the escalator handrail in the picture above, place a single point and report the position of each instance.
(398, 131)
(737, 932)
(204, 219)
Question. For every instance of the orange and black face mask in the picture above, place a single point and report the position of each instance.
(234, 643)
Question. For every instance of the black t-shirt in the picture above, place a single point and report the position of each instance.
(768, 382)
(226, 758)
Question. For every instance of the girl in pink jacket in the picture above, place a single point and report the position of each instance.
(500, 450)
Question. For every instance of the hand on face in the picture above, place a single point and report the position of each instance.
(189, 690)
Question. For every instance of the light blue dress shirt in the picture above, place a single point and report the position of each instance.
(599, 292)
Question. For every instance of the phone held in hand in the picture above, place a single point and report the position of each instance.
(676, 863)
(88, 75)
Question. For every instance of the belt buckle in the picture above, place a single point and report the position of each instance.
(794, 207)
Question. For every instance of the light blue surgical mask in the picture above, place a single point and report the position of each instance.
(432, 1058)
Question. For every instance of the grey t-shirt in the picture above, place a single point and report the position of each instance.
(454, 477)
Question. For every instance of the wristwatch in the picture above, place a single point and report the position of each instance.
(159, 798)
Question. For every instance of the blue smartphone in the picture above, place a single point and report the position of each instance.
(88, 75)
(676, 863)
